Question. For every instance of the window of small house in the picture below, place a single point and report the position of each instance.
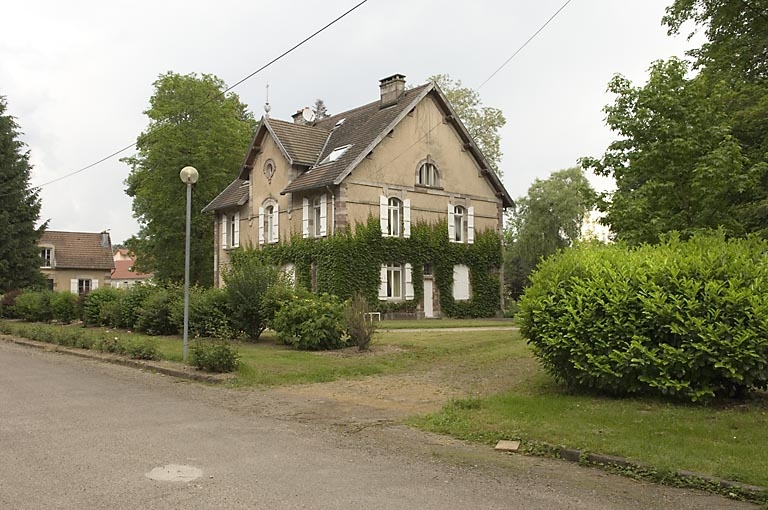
(46, 254)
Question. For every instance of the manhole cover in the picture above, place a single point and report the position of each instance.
(174, 473)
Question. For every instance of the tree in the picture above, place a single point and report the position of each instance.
(677, 165)
(19, 210)
(482, 122)
(191, 122)
(546, 220)
(321, 112)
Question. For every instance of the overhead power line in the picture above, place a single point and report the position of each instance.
(525, 44)
(214, 97)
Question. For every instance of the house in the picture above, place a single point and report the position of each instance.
(76, 261)
(404, 159)
(123, 276)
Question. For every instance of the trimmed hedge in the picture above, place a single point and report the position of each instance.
(686, 319)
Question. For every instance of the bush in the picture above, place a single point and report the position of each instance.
(64, 306)
(156, 312)
(145, 348)
(247, 283)
(357, 324)
(311, 323)
(209, 314)
(34, 306)
(7, 310)
(682, 319)
(94, 304)
(131, 303)
(214, 356)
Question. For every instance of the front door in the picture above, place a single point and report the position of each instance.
(428, 311)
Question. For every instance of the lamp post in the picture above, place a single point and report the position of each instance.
(188, 176)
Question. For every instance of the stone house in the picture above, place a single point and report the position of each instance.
(78, 262)
(404, 158)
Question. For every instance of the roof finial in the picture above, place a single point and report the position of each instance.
(266, 105)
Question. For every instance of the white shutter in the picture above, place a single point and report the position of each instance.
(305, 217)
(470, 225)
(451, 225)
(223, 230)
(236, 234)
(382, 285)
(275, 224)
(94, 284)
(461, 283)
(407, 218)
(383, 215)
(261, 225)
(323, 215)
(73, 285)
(408, 281)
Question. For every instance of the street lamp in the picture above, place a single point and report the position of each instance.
(188, 176)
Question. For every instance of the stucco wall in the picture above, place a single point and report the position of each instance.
(62, 277)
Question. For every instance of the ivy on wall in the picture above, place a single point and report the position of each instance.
(346, 264)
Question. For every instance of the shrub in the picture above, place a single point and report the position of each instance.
(144, 348)
(64, 307)
(94, 304)
(209, 313)
(682, 319)
(214, 356)
(357, 324)
(155, 315)
(7, 310)
(131, 303)
(34, 306)
(311, 323)
(247, 283)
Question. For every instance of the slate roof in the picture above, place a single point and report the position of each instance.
(302, 143)
(234, 195)
(362, 127)
(78, 250)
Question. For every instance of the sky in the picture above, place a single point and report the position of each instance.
(78, 75)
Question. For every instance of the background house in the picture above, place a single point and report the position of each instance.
(76, 261)
(123, 276)
(405, 159)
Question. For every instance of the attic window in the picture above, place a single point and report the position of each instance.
(340, 122)
(335, 154)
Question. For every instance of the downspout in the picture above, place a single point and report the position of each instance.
(333, 211)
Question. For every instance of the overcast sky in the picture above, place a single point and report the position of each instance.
(77, 75)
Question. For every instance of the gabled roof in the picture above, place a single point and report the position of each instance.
(79, 250)
(123, 271)
(234, 195)
(359, 131)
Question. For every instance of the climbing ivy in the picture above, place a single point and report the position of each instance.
(349, 263)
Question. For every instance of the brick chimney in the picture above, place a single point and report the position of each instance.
(392, 87)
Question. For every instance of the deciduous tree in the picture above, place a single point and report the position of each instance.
(19, 210)
(191, 122)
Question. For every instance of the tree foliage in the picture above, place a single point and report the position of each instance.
(693, 152)
(482, 122)
(191, 122)
(19, 210)
(546, 220)
(321, 112)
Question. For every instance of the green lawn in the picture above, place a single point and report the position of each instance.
(725, 440)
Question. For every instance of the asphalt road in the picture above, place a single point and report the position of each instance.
(77, 433)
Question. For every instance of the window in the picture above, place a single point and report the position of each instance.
(461, 224)
(315, 216)
(82, 286)
(428, 271)
(335, 154)
(230, 230)
(395, 217)
(49, 283)
(269, 169)
(396, 282)
(269, 223)
(461, 289)
(46, 254)
(428, 174)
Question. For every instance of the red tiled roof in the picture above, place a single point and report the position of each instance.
(123, 271)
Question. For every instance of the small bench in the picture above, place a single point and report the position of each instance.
(371, 315)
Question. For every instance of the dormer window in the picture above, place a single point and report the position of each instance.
(427, 174)
(335, 154)
(46, 256)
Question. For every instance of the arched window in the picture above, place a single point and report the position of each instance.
(269, 214)
(268, 222)
(427, 174)
(459, 223)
